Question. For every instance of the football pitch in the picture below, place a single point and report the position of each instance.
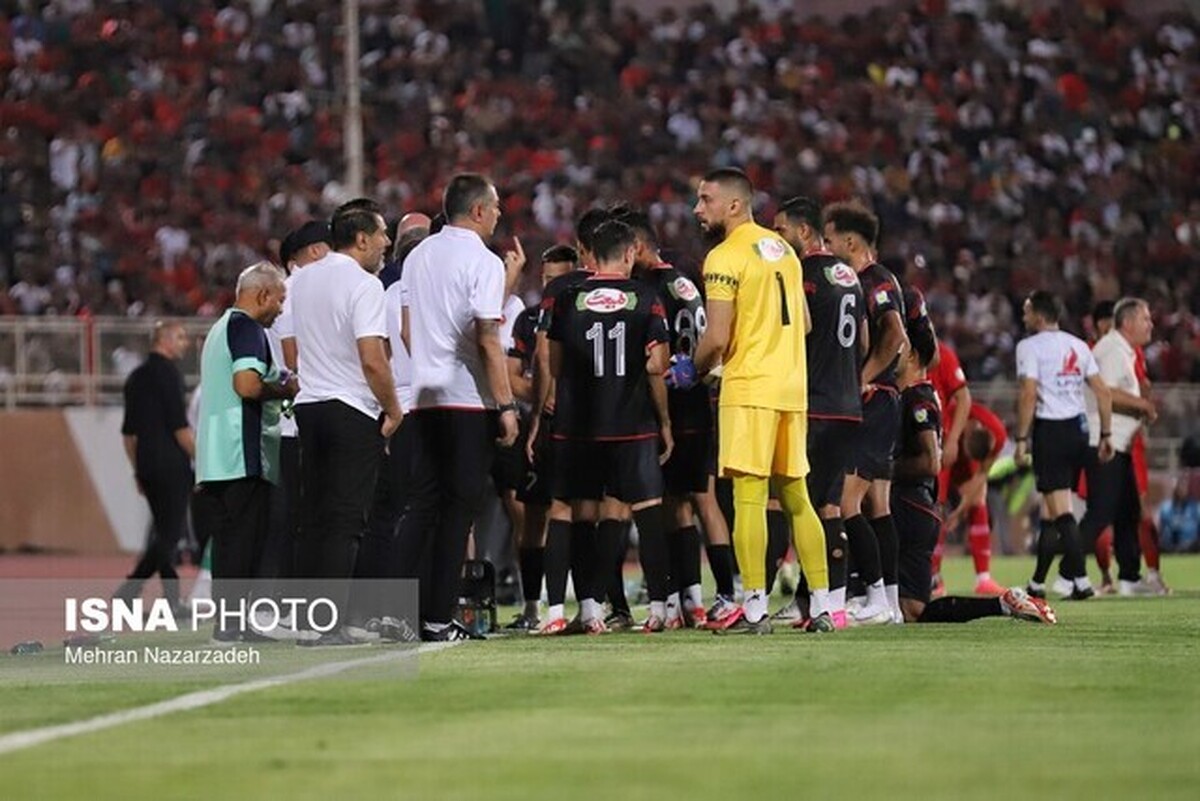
(1104, 705)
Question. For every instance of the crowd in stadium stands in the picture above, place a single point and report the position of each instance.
(152, 150)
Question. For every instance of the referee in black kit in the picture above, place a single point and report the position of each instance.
(452, 292)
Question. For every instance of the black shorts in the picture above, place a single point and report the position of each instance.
(537, 485)
(691, 463)
(627, 470)
(872, 449)
(1060, 453)
(509, 468)
(829, 444)
(918, 524)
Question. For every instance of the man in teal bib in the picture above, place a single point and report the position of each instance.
(237, 444)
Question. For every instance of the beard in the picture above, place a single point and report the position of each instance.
(713, 234)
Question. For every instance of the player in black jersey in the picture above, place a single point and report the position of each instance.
(689, 475)
(851, 231)
(536, 490)
(836, 346)
(608, 354)
(914, 501)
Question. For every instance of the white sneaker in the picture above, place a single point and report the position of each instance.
(872, 616)
(1129, 589)
(854, 604)
(1154, 580)
(1063, 587)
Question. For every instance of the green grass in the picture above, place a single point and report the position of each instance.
(1105, 705)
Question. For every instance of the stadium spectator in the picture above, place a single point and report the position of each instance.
(160, 445)
(1179, 520)
(237, 447)
(1006, 147)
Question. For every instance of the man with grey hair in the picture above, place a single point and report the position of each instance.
(237, 452)
(1112, 486)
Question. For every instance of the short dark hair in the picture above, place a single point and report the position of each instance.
(978, 443)
(852, 217)
(358, 204)
(639, 221)
(731, 177)
(1045, 305)
(589, 222)
(1103, 310)
(349, 224)
(462, 193)
(923, 341)
(1124, 309)
(561, 253)
(802, 209)
(612, 239)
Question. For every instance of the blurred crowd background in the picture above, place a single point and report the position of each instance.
(150, 150)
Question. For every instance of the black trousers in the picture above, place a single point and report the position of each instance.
(168, 494)
(233, 516)
(283, 531)
(452, 453)
(340, 449)
(376, 556)
(1112, 500)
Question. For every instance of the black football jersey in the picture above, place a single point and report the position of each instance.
(552, 290)
(917, 315)
(920, 411)
(835, 302)
(883, 294)
(525, 338)
(683, 304)
(606, 326)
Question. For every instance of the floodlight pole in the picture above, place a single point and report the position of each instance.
(352, 134)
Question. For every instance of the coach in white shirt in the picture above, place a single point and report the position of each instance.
(347, 405)
(453, 295)
(1112, 487)
(1053, 367)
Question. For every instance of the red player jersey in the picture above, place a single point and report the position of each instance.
(947, 376)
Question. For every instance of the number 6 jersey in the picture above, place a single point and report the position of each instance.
(606, 326)
(835, 301)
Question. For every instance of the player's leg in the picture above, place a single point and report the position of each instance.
(585, 562)
(1060, 454)
(869, 458)
(979, 537)
(1104, 557)
(748, 437)
(613, 544)
(531, 555)
(827, 447)
(637, 480)
(574, 479)
(720, 556)
(791, 469)
(1147, 528)
(884, 527)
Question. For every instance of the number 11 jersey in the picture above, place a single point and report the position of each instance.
(607, 326)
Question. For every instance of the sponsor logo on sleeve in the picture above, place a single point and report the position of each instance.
(841, 275)
(684, 289)
(770, 249)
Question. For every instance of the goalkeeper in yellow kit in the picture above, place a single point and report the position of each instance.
(757, 321)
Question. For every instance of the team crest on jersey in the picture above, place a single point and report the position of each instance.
(684, 289)
(606, 300)
(841, 275)
(770, 249)
(881, 296)
(921, 415)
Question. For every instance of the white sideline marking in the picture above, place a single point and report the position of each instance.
(20, 740)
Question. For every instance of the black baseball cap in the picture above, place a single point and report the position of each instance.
(310, 233)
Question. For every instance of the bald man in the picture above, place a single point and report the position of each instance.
(412, 228)
(160, 445)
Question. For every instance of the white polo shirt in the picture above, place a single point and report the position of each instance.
(513, 306)
(450, 280)
(283, 329)
(401, 363)
(1116, 359)
(1061, 363)
(335, 303)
